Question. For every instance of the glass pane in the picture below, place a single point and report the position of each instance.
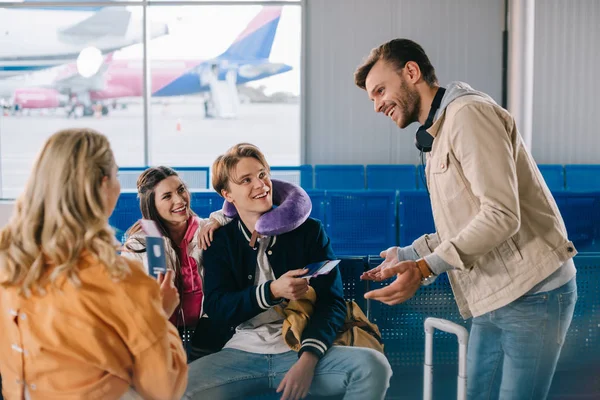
(223, 75)
(56, 68)
(230, 1)
(77, 4)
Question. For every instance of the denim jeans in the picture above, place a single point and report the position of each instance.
(513, 351)
(356, 373)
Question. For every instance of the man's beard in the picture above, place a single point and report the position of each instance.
(410, 104)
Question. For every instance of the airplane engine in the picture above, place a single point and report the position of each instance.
(39, 98)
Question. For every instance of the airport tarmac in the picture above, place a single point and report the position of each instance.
(179, 136)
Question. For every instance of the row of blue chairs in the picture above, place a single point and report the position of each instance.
(369, 221)
(572, 177)
(409, 177)
(403, 335)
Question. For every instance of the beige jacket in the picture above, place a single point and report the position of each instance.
(497, 223)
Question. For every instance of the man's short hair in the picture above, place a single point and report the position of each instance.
(224, 164)
(397, 52)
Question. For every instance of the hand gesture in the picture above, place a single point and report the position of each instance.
(168, 292)
(408, 281)
(288, 286)
(391, 259)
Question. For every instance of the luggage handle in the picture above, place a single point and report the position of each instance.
(431, 324)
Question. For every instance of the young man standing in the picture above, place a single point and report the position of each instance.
(499, 233)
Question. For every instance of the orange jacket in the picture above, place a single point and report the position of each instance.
(93, 342)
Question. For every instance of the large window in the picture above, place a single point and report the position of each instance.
(218, 75)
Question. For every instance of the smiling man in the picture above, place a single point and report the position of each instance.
(246, 275)
(499, 234)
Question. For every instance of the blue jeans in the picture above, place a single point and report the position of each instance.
(357, 373)
(513, 351)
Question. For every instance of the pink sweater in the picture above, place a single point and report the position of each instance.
(191, 301)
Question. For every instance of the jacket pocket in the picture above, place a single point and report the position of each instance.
(446, 177)
(509, 251)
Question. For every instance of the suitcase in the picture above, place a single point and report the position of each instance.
(431, 324)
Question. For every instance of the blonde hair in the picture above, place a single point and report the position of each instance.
(224, 164)
(61, 215)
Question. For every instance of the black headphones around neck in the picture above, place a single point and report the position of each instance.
(423, 140)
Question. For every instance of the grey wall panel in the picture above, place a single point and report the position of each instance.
(463, 38)
(566, 83)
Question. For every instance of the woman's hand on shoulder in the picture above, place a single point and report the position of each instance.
(205, 233)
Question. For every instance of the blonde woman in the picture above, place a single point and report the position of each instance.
(77, 320)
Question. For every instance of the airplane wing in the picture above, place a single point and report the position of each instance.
(109, 21)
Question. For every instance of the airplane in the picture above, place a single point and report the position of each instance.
(38, 37)
(246, 60)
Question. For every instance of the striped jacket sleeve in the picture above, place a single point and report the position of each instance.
(224, 301)
(330, 309)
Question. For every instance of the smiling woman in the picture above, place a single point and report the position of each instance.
(165, 199)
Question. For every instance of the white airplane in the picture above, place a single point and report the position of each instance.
(245, 60)
(32, 39)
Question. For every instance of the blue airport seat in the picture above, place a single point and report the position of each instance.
(126, 213)
(554, 175)
(414, 216)
(581, 213)
(421, 178)
(301, 175)
(391, 177)
(582, 345)
(340, 177)
(351, 268)
(582, 178)
(361, 222)
(577, 369)
(205, 202)
(196, 178)
(317, 198)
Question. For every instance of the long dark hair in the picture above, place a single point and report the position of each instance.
(146, 188)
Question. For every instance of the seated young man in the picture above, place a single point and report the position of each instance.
(243, 283)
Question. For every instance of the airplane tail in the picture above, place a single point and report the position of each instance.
(256, 41)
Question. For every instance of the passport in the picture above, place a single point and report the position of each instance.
(320, 268)
(155, 248)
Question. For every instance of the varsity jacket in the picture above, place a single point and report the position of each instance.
(231, 297)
